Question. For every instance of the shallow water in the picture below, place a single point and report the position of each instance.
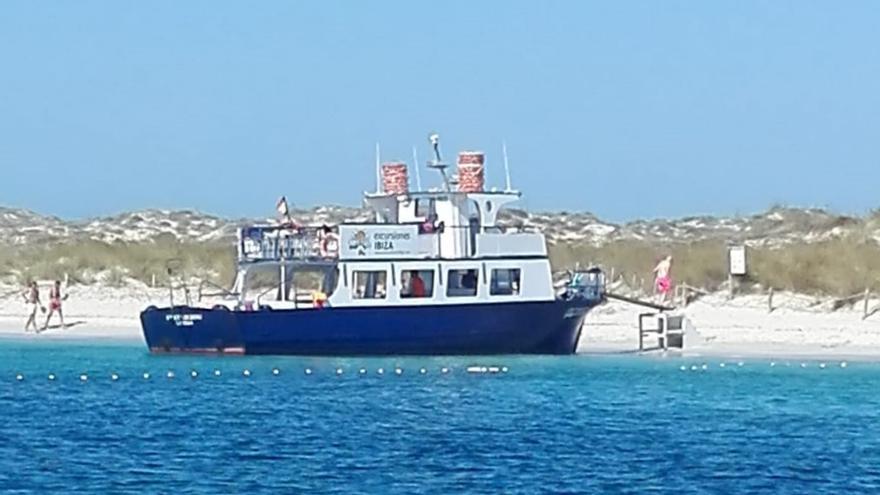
(547, 425)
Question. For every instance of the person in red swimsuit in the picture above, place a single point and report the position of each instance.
(55, 299)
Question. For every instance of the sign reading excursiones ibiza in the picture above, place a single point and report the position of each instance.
(378, 241)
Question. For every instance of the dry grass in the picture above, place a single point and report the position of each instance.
(90, 261)
(837, 267)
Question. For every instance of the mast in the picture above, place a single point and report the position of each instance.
(506, 166)
(378, 171)
(437, 162)
(416, 165)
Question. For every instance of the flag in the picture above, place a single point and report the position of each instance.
(283, 210)
(282, 206)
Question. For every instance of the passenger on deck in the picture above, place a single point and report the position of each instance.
(328, 242)
(430, 225)
(469, 279)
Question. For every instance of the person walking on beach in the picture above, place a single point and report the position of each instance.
(663, 279)
(55, 299)
(32, 303)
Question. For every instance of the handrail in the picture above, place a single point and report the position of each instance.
(224, 291)
(261, 294)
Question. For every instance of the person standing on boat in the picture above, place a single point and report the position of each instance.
(55, 299)
(328, 242)
(663, 279)
(32, 302)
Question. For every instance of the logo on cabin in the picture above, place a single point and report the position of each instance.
(358, 242)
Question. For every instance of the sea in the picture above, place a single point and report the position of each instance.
(93, 417)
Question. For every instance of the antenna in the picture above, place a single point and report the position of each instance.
(506, 166)
(378, 171)
(436, 162)
(416, 165)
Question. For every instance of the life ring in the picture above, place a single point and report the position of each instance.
(329, 246)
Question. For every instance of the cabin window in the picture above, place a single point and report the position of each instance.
(460, 283)
(424, 207)
(369, 284)
(505, 282)
(416, 283)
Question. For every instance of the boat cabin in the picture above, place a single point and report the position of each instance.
(440, 246)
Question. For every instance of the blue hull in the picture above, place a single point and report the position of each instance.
(551, 327)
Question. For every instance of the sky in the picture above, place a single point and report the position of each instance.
(627, 109)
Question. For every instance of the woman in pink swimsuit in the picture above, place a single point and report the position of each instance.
(55, 299)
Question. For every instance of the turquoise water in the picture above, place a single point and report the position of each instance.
(547, 425)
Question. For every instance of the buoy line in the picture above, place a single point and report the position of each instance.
(171, 374)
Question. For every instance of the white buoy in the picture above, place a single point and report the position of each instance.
(276, 371)
(246, 372)
(170, 374)
(444, 370)
(494, 369)
(216, 372)
(339, 371)
(822, 365)
(843, 364)
(683, 368)
(114, 377)
(19, 377)
(476, 369)
(398, 371)
(308, 371)
(721, 365)
(423, 371)
(803, 365)
(51, 376)
(772, 363)
(146, 376)
(705, 366)
(693, 367)
(739, 363)
(362, 371)
(380, 371)
(84, 377)
(193, 373)
(504, 369)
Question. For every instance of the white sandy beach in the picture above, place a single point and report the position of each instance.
(798, 326)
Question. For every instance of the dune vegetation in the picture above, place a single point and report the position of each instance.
(836, 267)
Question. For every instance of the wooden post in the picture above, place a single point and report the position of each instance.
(66, 279)
(867, 298)
(153, 281)
(770, 301)
(612, 275)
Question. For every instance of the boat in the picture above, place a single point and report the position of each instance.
(433, 273)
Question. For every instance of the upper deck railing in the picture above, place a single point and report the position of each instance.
(277, 242)
(366, 241)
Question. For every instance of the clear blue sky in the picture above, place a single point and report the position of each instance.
(627, 109)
